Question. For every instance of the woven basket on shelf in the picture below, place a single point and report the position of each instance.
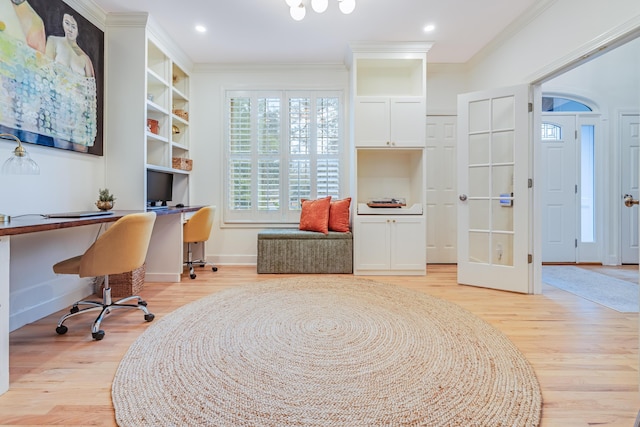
(124, 284)
(182, 163)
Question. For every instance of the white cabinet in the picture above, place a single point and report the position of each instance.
(389, 245)
(389, 122)
(388, 99)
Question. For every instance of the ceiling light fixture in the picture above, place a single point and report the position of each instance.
(298, 10)
(201, 28)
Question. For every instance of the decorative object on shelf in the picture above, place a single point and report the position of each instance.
(150, 97)
(298, 9)
(387, 203)
(175, 78)
(181, 113)
(105, 200)
(182, 163)
(19, 163)
(175, 129)
(153, 126)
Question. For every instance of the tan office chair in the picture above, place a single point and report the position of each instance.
(122, 248)
(197, 230)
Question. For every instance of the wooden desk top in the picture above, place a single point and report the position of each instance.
(34, 223)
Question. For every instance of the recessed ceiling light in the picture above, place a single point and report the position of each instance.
(201, 28)
(428, 28)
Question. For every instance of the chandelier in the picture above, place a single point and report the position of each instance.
(298, 9)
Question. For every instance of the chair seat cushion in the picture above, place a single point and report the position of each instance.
(68, 266)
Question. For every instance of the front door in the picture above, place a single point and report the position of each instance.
(494, 192)
(559, 188)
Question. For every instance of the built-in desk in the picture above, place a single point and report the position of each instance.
(163, 264)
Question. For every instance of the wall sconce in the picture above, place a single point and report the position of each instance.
(19, 163)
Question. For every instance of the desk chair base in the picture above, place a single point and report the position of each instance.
(195, 263)
(105, 307)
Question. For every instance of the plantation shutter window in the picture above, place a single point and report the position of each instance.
(280, 147)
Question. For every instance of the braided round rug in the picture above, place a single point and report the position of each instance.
(324, 351)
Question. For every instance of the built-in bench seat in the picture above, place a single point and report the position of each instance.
(297, 251)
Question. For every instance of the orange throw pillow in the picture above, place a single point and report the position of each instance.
(339, 215)
(315, 215)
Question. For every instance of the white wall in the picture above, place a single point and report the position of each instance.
(559, 30)
(444, 83)
(68, 181)
(237, 244)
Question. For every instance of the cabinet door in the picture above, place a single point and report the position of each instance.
(372, 246)
(408, 246)
(408, 122)
(371, 122)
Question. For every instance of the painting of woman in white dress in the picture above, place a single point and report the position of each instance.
(51, 75)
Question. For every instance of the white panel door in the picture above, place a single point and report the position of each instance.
(494, 214)
(559, 193)
(630, 141)
(441, 190)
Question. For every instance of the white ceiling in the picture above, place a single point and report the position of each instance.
(262, 31)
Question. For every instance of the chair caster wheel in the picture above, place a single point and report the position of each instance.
(74, 309)
(149, 317)
(144, 303)
(214, 269)
(193, 276)
(98, 335)
(61, 330)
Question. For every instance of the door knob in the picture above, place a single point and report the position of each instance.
(463, 197)
(629, 200)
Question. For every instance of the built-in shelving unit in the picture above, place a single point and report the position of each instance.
(388, 82)
(148, 126)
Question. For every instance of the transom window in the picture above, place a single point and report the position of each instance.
(557, 103)
(281, 147)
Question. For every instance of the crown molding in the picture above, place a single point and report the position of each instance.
(253, 68)
(89, 10)
(127, 19)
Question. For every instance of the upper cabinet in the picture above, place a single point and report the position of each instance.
(389, 83)
(389, 122)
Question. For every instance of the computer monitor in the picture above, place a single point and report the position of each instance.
(159, 188)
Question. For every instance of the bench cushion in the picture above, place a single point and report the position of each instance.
(297, 251)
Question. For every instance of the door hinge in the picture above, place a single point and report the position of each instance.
(529, 258)
(576, 243)
(530, 107)
(530, 183)
(576, 190)
(576, 135)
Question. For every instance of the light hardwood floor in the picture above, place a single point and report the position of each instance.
(585, 355)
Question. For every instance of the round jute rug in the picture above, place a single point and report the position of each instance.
(324, 351)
